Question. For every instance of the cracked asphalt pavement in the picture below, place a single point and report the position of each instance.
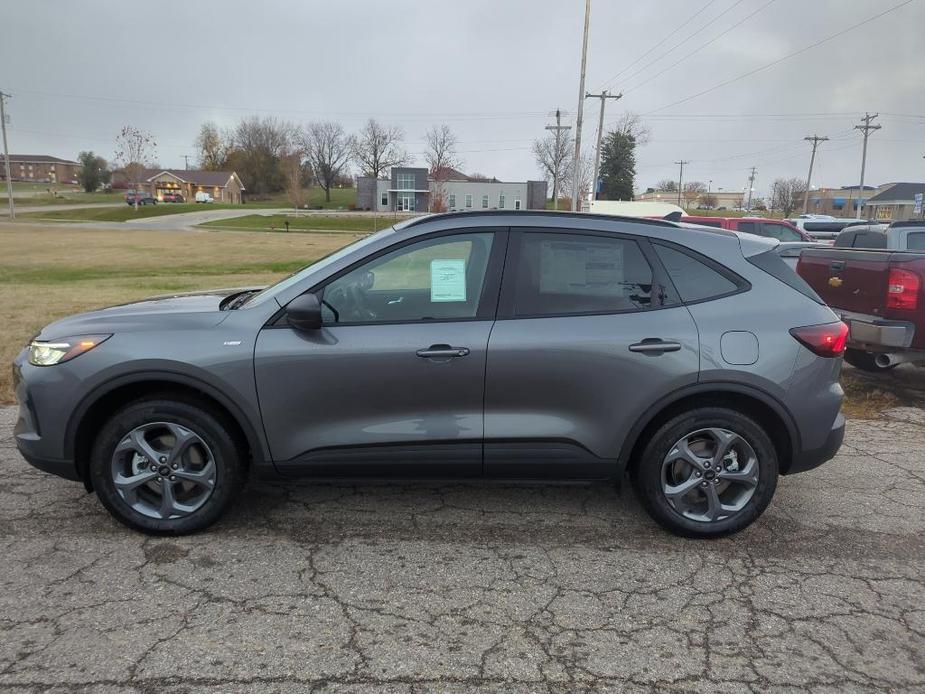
(462, 587)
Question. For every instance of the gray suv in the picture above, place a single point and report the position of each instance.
(515, 346)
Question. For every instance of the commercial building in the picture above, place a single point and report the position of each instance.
(413, 189)
(728, 199)
(223, 186)
(41, 168)
(845, 201)
(895, 201)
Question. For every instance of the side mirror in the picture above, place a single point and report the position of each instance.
(304, 312)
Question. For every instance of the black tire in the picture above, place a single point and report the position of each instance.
(214, 431)
(866, 361)
(648, 480)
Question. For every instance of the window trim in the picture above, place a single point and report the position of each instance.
(486, 201)
(742, 284)
(508, 291)
(451, 200)
(468, 200)
(487, 308)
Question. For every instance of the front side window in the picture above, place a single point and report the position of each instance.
(468, 201)
(562, 274)
(484, 202)
(436, 279)
(694, 280)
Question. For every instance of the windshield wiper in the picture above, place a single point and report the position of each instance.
(238, 300)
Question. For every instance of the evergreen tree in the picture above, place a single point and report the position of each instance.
(618, 166)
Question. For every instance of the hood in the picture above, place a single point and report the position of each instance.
(174, 311)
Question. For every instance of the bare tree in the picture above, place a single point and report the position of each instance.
(692, 191)
(440, 156)
(709, 201)
(211, 147)
(255, 148)
(328, 149)
(441, 149)
(135, 151)
(291, 166)
(585, 174)
(786, 194)
(631, 124)
(553, 154)
(667, 185)
(377, 148)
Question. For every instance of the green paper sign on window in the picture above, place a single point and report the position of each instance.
(447, 280)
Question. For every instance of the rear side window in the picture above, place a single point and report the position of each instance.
(917, 241)
(562, 274)
(694, 280)
(869, 239)
(781, 232)
(747, 227)
(774, 265)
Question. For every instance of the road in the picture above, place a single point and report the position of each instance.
(458, 587)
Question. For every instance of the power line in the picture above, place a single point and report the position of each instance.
(698, 49)
(660, 43)
(780, 60)
(695, 33)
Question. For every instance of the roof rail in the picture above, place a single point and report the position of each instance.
(538, 213)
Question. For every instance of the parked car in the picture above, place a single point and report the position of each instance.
(825, 230)
(142, 198)
(772, 228)
(897, 236)
(172, 197)
(790, 251)
(499, 345)
(879, 293)
(204, 197)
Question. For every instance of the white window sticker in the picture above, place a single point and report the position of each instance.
(447, 280)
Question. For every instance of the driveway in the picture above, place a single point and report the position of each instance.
(459, 587)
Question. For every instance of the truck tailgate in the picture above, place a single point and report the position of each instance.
(852, 280)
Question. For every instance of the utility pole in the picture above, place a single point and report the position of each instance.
(558, 129)
(866, 128)
(603, 96)
(576, 164)
(751, 185)
(680, 178)
(815, 139)
(186, 161)
(6, 157)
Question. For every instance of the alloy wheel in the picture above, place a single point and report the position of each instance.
(163, 470)
(710, 475)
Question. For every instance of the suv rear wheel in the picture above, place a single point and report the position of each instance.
(707, 472)
(166, 467)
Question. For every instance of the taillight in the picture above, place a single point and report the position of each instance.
(826, 340)
(903, 289)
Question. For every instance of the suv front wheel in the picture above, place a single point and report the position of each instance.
(708, 472)
(166, 466)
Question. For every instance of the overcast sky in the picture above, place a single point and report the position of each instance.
(491, 69)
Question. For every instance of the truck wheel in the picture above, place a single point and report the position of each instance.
(167, 467)
(707, 472)
(865, 361)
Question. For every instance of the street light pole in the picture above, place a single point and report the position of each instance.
(576, 163)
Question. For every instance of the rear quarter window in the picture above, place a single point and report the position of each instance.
(694, 279)
(774, 265)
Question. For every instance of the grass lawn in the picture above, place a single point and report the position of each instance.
(340, 198)
(302, 223)
(47, 273)
(122, 213)
(61, 198)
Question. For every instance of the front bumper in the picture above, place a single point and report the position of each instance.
(40, 443)
(807, 460)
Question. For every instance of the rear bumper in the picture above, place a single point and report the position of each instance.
(878, 334)
(807, 460)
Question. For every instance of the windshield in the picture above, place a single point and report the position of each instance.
(298, 275)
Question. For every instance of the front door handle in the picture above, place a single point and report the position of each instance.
(442, 352)
(655, 346)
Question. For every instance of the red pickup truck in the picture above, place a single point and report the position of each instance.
(880, 294)
(779, 229)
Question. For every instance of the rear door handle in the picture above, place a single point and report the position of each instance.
(837, 265)
(655, 346)
(442, 352)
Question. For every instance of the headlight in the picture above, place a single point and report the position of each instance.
(50, 353)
